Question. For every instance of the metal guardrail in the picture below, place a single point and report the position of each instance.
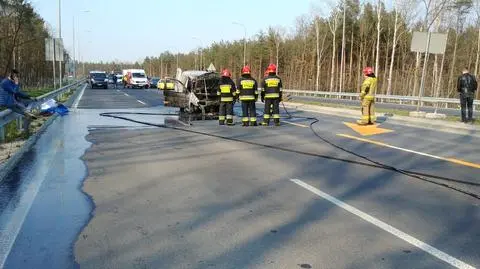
(7, 116)
(399, 99)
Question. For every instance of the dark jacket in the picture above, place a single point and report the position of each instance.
(9, 91)
(247, 89)
(226, 89)
(466, 83)
(272, 87)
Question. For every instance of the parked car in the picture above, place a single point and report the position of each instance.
(98, 79)
(137, 78)
(153, 82)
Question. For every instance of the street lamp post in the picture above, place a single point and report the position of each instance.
(60, 37)
(74, 47)
(244, 41)
(201, 52)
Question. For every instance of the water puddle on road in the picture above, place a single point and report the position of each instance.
(42, 205)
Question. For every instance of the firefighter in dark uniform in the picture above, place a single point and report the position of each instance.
(271, 95)
(227, 92)
(161, 87)
(169, 90)
(466, 87)
(247, 93)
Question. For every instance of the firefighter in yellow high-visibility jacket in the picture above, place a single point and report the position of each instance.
(367, 97)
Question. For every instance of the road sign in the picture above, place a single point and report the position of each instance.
(49, 49)
(437, 44)
(59, 49)
(54, 45)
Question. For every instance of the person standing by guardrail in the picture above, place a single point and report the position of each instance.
(11, 97)
(466, 86)
(367, 97)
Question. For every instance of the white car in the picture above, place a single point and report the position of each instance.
(138, 78)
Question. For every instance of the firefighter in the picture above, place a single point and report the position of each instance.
(161, 84)
(272, 95)
(169, 84)
(169, 88)
(247, 93)
(227, 93)
(367, 97)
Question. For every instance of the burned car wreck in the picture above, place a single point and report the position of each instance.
(195, 92)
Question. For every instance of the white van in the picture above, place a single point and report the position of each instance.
(138, 78)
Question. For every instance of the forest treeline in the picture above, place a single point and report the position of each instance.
(321, 51)
(328, 52)
(22, 43)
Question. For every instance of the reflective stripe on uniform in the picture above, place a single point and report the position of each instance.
(266, 116)
(253, 119)
(247, 84)
(245, 119)
(247, 97)
(221, 117)
(229, 117)
(276, 116)
(226, 99)
(225, 88)
(272, 95)
(272, 82)
(170, 86)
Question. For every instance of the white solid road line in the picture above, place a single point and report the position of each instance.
(296, 124)
(386, 227)
(75, 104)
(143, 103)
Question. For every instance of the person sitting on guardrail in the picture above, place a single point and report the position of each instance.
(466, 87)
(11, 97)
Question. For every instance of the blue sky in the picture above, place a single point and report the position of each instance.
(129, 30)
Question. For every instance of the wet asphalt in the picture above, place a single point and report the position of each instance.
(91, 196)
(42, 206)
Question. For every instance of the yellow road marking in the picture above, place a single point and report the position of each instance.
(452, 160)
(297, 124)
(367, 129)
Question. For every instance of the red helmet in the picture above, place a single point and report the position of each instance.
(272, 68)
(246, 70)
(226, 73)
(367, 70)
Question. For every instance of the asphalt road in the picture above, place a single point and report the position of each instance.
(99, 192)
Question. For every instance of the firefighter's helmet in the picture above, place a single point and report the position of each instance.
(226, 73)
(367, 70)
(246, 70)
(272, 68)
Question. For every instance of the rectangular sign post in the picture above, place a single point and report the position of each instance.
(427, 43)
(50, 55)
(59, 56)
(54, 52)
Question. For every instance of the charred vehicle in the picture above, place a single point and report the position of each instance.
(195, 92)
